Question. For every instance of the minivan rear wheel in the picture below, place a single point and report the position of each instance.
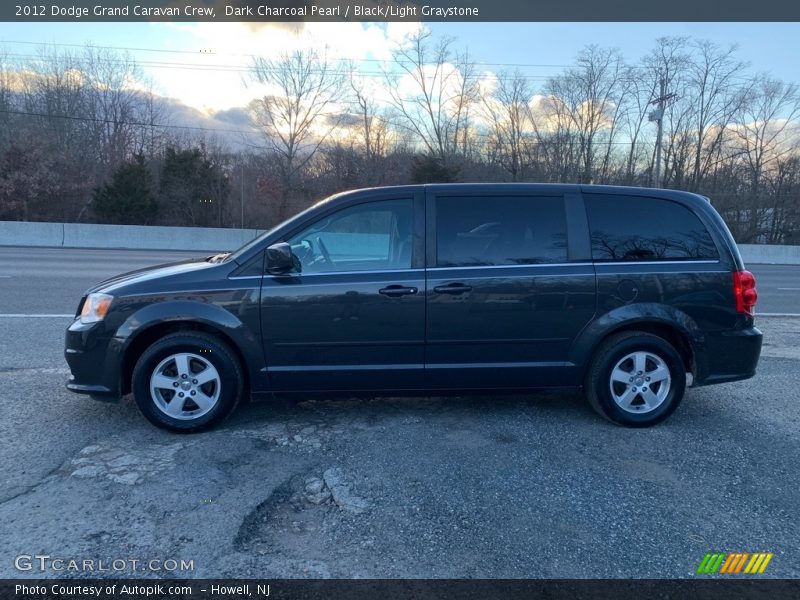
(635, 379)
(187, 382)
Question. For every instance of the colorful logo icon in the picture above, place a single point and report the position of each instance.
(734, 562)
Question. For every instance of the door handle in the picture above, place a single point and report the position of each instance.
(396, 290)
(452, 288)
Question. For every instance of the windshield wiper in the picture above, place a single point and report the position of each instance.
(218, 257)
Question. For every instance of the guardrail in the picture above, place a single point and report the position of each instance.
(141, 237)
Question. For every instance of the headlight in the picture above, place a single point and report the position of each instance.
(95, 308)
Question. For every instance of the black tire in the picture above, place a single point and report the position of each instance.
(600, 389)
(201, 349)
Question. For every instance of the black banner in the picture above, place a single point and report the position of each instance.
(387, 10)
(282, 589)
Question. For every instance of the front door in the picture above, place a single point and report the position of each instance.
(353, 319)
(506, 297)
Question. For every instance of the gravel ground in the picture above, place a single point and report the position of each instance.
(534, 486)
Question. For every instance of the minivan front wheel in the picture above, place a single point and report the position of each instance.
(187, 382)
(635, 379)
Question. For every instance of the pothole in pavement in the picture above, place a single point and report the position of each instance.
(295, 519)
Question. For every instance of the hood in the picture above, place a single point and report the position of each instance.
(151, 273)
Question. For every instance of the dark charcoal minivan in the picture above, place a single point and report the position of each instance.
(430, 290)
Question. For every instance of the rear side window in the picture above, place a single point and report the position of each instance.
(632, 228)
(478, 231)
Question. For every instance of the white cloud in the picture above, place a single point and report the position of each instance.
(217, 80)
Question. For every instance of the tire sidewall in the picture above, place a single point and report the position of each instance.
(672, 360)
(209, 349)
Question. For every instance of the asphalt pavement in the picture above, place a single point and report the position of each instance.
(52, 280)
(528, 486)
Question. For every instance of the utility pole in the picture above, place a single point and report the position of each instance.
(658, 116)
(241, 185)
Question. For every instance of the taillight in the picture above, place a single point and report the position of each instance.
(744, 290)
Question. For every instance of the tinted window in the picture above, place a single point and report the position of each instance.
(513, 230)
(372, 236)
(631, 228)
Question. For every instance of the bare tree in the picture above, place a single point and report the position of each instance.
(765, 126)
(299, 110)
(668, 61)
(634, 121)
(373, 127)
(765, 133)
(433, 89)
(585, 101)
(507, 110)
(716, 98)
(110, 102)
(6, 98)
(784, 185)
(150, 136)
(52, 94)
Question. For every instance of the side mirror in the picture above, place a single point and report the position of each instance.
(281, 260)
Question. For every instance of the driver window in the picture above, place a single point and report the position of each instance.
(374, 236)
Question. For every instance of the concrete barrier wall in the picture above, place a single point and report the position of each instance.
(17, 233)
(81, 235)
(770, 255)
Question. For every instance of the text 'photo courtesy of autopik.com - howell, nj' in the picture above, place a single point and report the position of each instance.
(385, 299)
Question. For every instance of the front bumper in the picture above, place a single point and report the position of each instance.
(731, 355)
(89, 353)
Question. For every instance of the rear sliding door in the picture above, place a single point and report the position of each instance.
(506, 292)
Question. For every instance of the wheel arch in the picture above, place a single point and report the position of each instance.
(669, 332)
(666, 322)
(135, 340)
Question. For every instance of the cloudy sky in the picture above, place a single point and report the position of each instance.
(204, 65)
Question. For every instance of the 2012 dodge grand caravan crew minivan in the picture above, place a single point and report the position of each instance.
(435, 289)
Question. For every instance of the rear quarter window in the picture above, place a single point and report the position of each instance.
(638, 228)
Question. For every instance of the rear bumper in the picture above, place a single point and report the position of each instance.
(94, 368)
(731, 356)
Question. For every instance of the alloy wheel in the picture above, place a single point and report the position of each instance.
(640, 382)
(185, 386)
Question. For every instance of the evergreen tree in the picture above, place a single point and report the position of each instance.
(127, 198)
(193, 187)
(426, 168)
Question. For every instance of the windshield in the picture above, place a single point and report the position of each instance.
(236, 254)
(251, 244)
